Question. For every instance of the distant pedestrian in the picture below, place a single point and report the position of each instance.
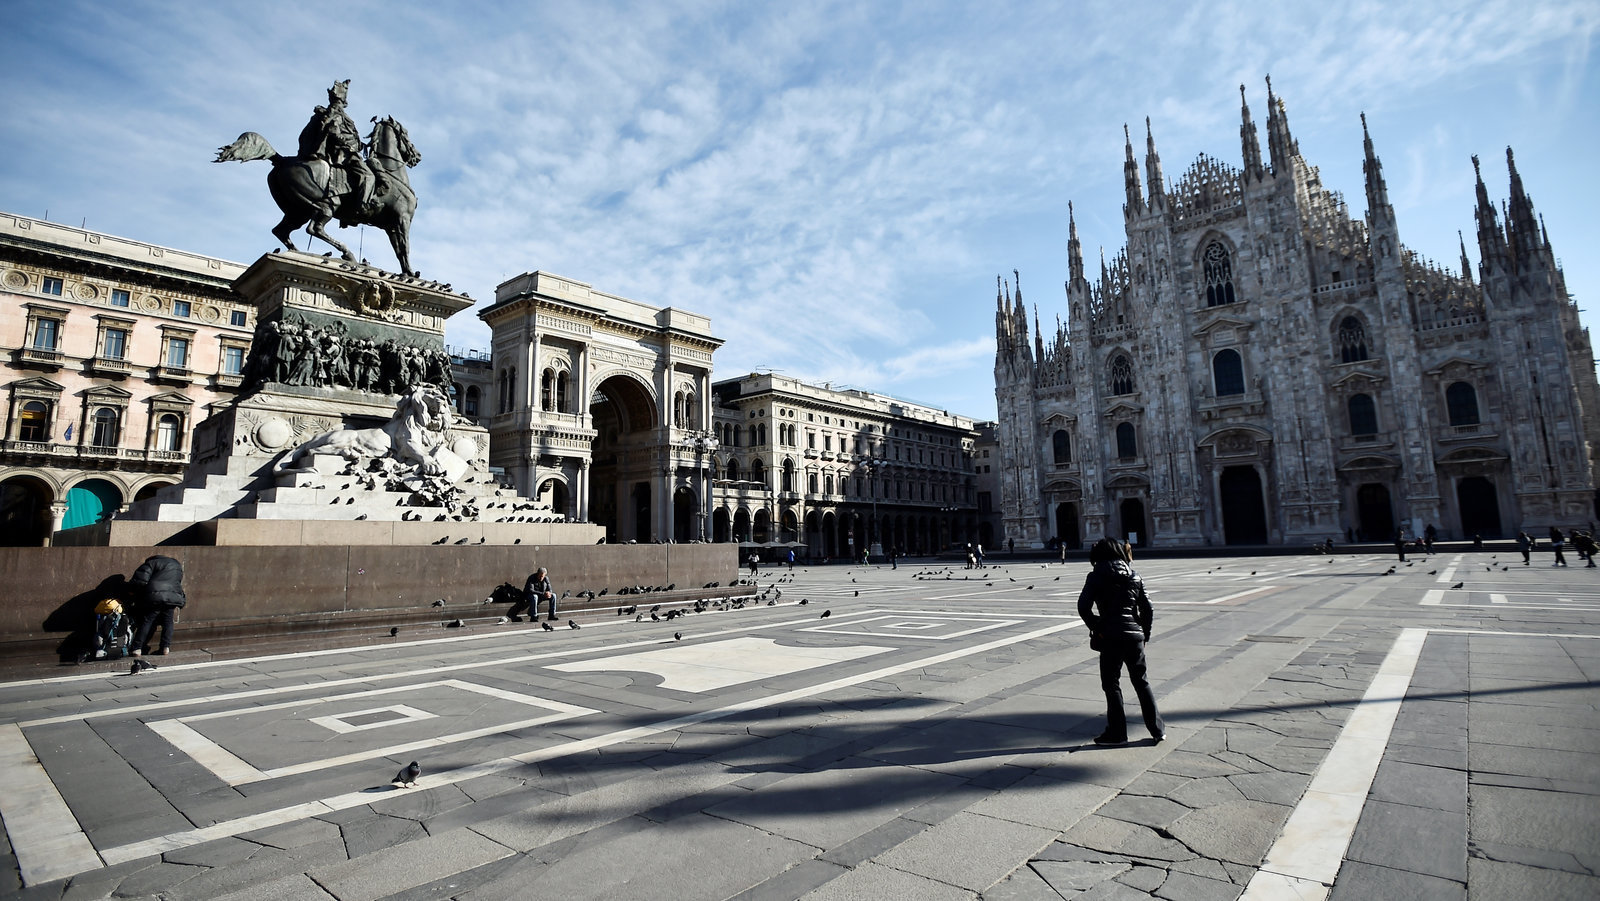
(1428, 536)
(160, 580)
(1063, 548)
(1011, 546)
(1114, 606)
(790, 558)
(892, 564)
(1556, 540)
(979, 550)
(755, 564)
(1400, 543)
(536, 589)
(1525, 545)
(1585, 545)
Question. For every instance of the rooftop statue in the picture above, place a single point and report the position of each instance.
(336, 174)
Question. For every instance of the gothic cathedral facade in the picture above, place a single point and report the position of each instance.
(1257, 367)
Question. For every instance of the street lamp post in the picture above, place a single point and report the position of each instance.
(866, 468)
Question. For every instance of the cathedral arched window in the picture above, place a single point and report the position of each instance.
(1461, 399)
(1121, 375)
(1352, 340)
(761, 435)
(1217, 268)
(1061, 446)
(1227, 371)
(1363, 415)
(1127, 441)
(788, 475)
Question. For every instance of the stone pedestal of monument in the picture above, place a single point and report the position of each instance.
(348, 349)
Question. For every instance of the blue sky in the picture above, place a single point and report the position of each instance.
(835, 184)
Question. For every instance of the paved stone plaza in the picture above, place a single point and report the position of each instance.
(1328, 723)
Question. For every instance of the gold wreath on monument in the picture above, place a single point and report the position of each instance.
(375, 298)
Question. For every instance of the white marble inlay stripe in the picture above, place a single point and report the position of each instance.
(1500, 599)
(1432, 597)
(719, 664)
(855, 627)
(44, 834)
(1313, 842)
(231, 769)
(402, 714)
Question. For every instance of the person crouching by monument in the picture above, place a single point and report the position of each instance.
(1114, 606)
(159, 583)
(538, 589)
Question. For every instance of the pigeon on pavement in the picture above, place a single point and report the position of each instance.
(573, 624)
(826, 614)
(1457, 585)
(547, 627)
(408, 777)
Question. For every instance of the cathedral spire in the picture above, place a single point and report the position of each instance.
(1279, 142)
(1377, 190)
(1074, 249)
(1521, 225)
(1152, 163)
(1466, 264)
(1249, 141)
(1038, 333)
(1130, 176)
(1491, 242)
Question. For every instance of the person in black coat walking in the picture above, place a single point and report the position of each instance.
(1114, 606)
(160, 579)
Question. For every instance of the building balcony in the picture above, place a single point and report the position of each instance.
(40, 358)
(180, 375)
(1232, 406)
(227, 381)
(111, 367)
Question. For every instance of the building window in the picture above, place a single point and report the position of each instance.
(547, 390)
(237, 318)
(105, 428)
(1227, 370)
(788, 475)
(116, 344)
(758, 472)
(35, 425)
(233, 361)
(1218, 270)
(561, 392)
(827, 481)
(50, 285)
(180, 308)
(178, 353)
(470, 404)
(1061, 446)
(1352, 340)
(1121, 375)
(1363, 415)
(1462, 401)
(1127, 442)
(46, 334)
(733, 470)
(168, 431)
(811, 482)
(119, 298)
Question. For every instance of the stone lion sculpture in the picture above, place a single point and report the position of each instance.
(419, 427)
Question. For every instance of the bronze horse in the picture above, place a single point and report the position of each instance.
(310, 192)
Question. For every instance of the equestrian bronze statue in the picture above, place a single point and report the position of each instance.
(337, 175)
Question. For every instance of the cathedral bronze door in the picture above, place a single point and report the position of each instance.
(1067, 525)
(1374, 514)
(1132, 511)
(1244, 513)
(1479, 506)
